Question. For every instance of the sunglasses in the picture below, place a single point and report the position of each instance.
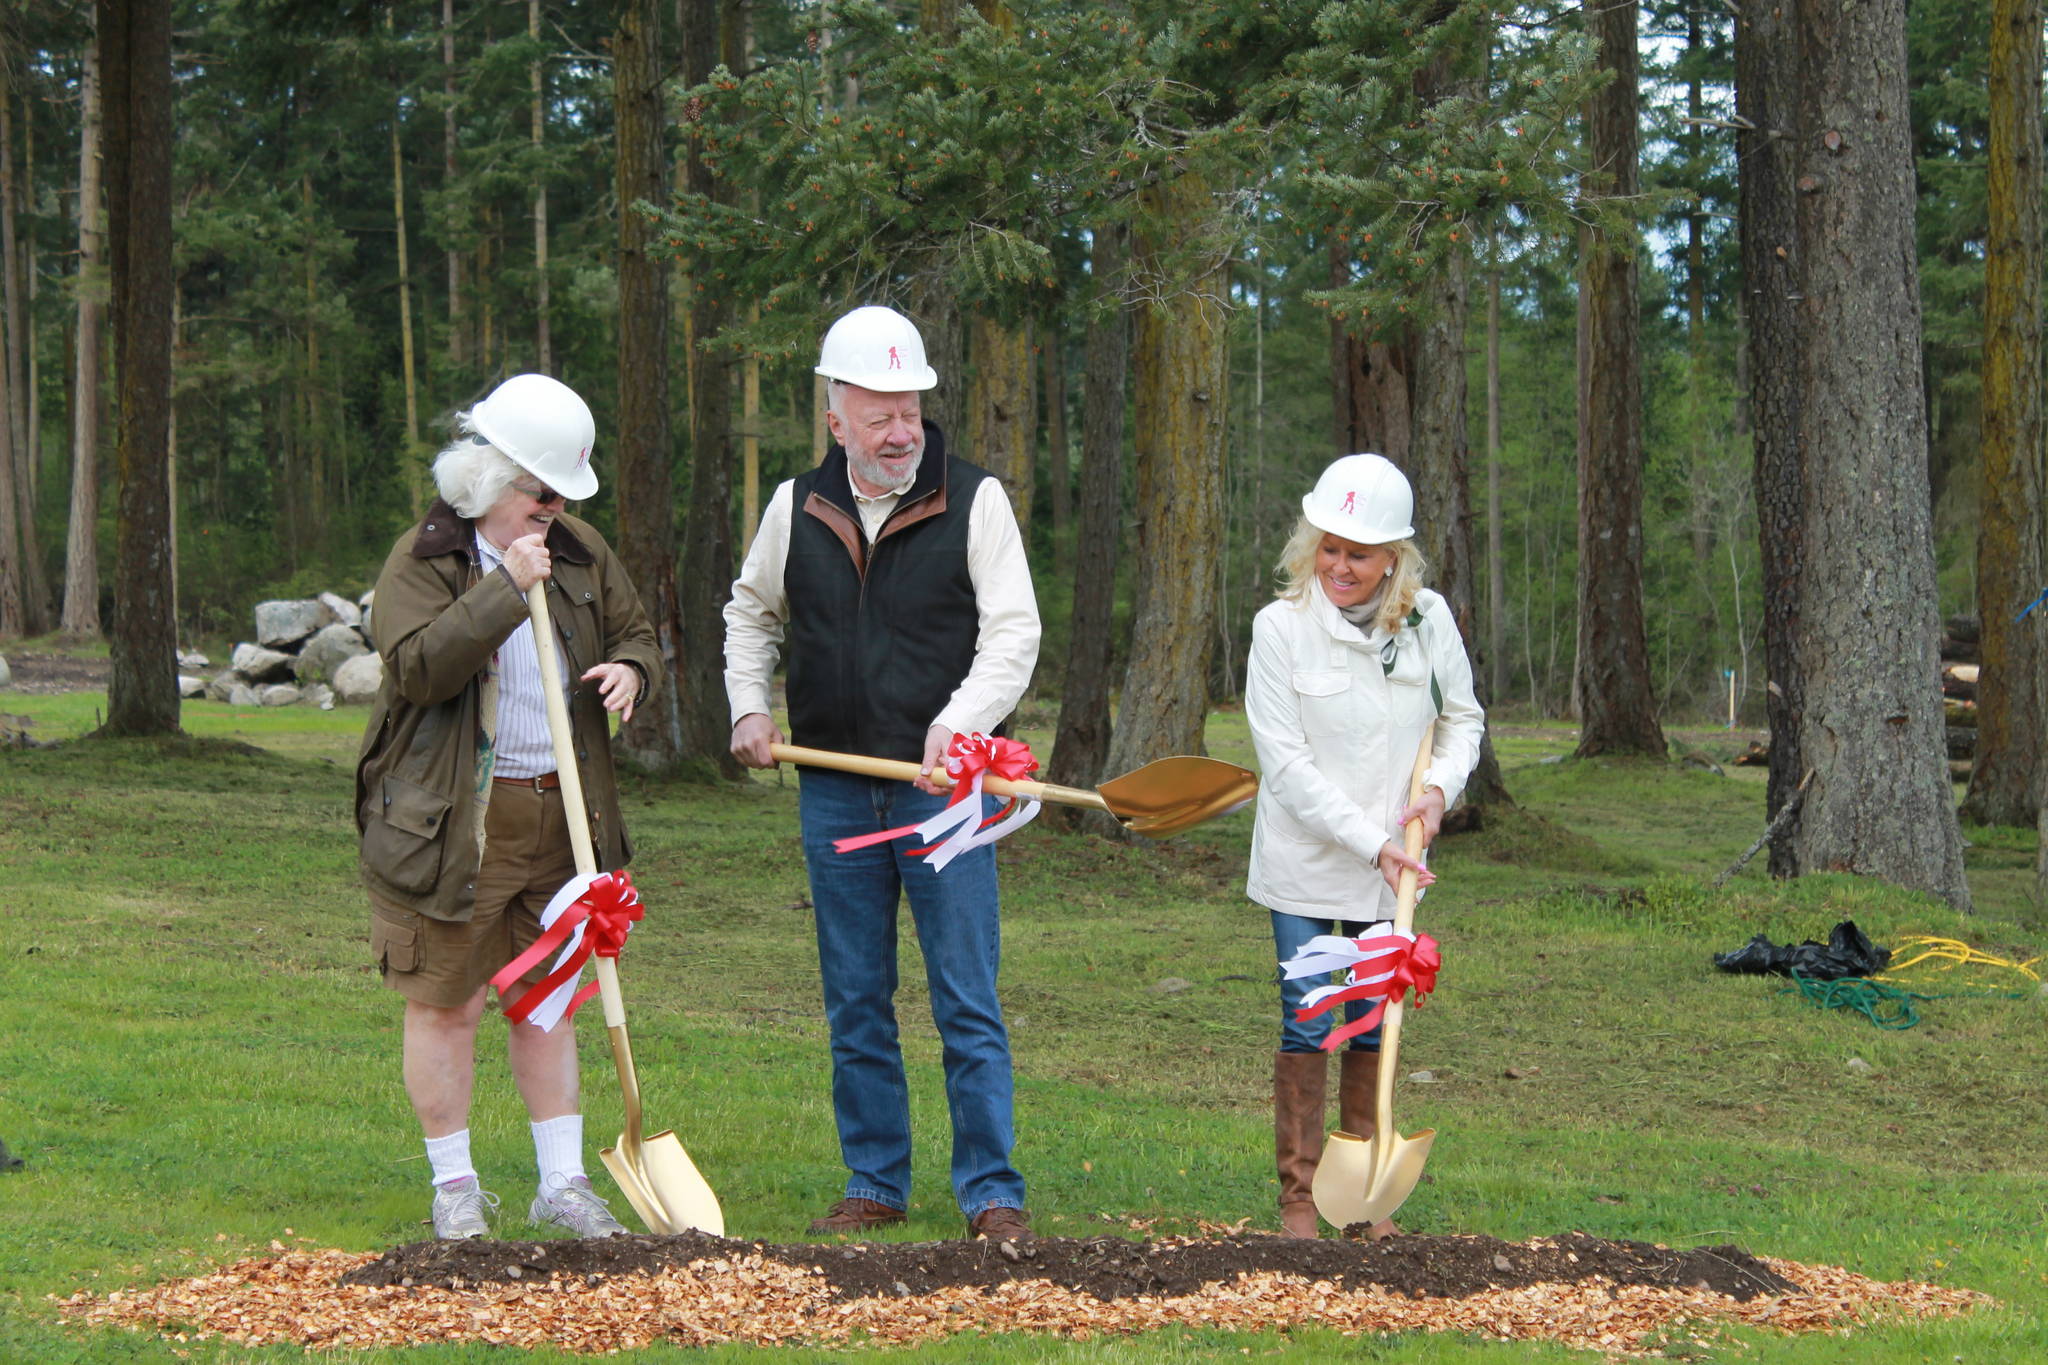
(544, 496)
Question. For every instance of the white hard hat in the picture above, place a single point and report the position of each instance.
(1363, 498)
(876, 348)
(544, 428)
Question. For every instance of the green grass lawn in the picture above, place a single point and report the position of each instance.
(198, 1059)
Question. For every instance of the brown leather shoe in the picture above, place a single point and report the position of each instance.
(1000, 1224)
(857, 1215)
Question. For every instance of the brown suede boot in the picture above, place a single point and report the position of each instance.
(1358, 1079)
(1300, 1080)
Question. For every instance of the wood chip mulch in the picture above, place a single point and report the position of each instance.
(1619, 1298)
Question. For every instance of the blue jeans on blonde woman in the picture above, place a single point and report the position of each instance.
(1301, 1075)
(955, 913)
(1290, 932)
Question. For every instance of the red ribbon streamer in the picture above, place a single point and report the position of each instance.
(1413, 966)
(967, 757)
(608, 910)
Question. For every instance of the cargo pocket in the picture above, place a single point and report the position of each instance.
(395, 939)
(403, 842)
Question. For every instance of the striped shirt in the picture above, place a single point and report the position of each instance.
(523, 744)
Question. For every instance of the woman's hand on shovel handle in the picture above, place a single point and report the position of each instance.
(618, 686)
(1429, 810)
(528, 561)
(1393, 858)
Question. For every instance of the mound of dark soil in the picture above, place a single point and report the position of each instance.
(1108, 1268)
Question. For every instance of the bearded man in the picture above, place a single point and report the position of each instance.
(894, 578)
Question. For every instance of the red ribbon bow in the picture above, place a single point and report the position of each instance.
(969, 756)
(1413, 966)
(608, 909)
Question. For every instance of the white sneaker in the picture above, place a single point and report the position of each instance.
(462, 1208)
(576, 1207)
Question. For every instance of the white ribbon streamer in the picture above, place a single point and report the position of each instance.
(959, 825)
(549, 1012)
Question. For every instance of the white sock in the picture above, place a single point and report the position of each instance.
(558, 1150)
(449, 1156)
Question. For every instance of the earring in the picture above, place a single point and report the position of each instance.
(1389, 573)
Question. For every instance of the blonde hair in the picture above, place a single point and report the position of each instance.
(1297, 574)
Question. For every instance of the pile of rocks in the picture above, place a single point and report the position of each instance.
(315, 651)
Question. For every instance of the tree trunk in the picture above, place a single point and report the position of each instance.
(11, 620)
(931, 299)
(646, 508)
(1437, 460)
(1370, 382)
(543, 336)
(135, 63)
(411, 383)
(708, 535)
(14, 401)
(1496, 570)
(1765, 85)
(1182, 382)
(81, 615)
(750, 435)
(2009, 529)
(1871, 730)
(1004, 432)
(1081, 746)
(1056, 463)
(458, 313)
(1617, 703)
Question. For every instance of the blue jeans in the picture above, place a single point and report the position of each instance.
(855, 896)
(1290, 932)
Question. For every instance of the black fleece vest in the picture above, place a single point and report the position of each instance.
(881, 635)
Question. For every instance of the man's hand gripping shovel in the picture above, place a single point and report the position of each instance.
(659, 1179)
(1363, 1180)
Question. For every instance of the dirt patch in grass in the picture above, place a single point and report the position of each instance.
(1617, 1298)
(49, 674)
(1107, 1268)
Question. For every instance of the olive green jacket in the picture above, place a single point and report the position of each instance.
(437, 618)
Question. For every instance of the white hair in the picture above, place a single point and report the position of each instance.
(471, 474)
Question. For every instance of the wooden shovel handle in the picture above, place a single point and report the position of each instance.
(1386, 1140)
(901, 771)
(1411, 837)
(576, 813)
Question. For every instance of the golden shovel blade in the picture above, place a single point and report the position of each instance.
(1362, 1180)
(1169, 795)
(664, 1186)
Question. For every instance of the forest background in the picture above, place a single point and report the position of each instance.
(1133, 234)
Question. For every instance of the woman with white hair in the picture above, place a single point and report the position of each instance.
(464, 836)
(1347, 670)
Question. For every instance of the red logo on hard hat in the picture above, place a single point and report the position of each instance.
(583, 457)
(1349, 499)
(895, 361)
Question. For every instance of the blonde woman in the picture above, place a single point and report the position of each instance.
(1348, 667)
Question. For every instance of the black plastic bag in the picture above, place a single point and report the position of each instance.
(1848, 952)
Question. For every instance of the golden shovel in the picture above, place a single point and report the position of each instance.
(1362, 1180)
(1162, 798)
(660, 1180)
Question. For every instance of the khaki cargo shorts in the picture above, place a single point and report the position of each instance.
(527, 858)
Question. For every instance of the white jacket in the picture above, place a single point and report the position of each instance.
(1336, 734)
